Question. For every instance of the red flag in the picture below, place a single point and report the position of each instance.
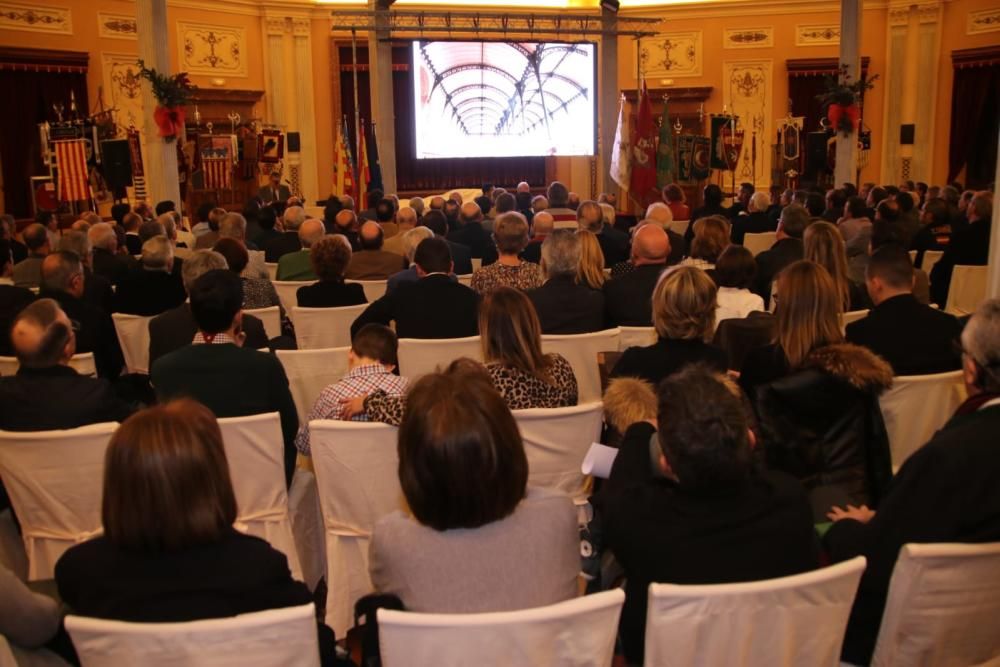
(643, 180)
(71, 159)
(218, 173)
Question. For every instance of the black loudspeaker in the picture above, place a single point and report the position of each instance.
(294, 143)
(907, 133)
(816, 153)
(117, 163)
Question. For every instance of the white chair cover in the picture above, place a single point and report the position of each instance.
(9, 366)
(913, 258)
(307, 526)
(318, 328)
(465, 279)
(270, 317)
(790, 621)
(255, 452)
(374, 289)
(581, 352)
(575, 633)
(418, 356)
(356, 472)
(309, 372)
(759, 242)
(916, 407)
(286, 290)
(678, 226)
(82, 363)
(261, 639)
(185, 237)
(852, 316)
(931, 258)
(942, 608)
(562, 224)
(133, 336)
(636, 337)
(556, 441)
(55, 480)
(477, 263)
(967, 289)
(272, 270)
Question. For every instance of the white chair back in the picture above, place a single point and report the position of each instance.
(55, 480)
(556, 441)
(9, 366)
(133, 336)
(420, 356)
(942, 607)
(82, 363)
(852, 316)
(318, 328)
(272, 270)
(309, 372)
(931, 258)
(913, 258)
(356, 473)
(759, 242)
(286, 290)
(465, 279)
(186, 237)
(636, 337)
(255, 452)
(678, 226)
(261, 639)
(575, 633)
(477, 262)
(374, 289)
(916, 407)
(581, 350)
(967, 289)
(270, 317)
(771, 622)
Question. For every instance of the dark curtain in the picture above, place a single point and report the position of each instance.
(802, 91)
(430, 175)
(31, 95)
(975, 110)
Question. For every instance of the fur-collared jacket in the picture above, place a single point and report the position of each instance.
(822, 423)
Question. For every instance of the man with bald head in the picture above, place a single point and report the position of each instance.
(614, 244)
(627, 298)
(542, 225)
(346, 224)
(661, 214)
(470, 233)
(372, 262)
(406, 219)
(288, 242)
(296, 265)
(28, 272)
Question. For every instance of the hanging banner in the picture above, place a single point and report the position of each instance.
(718, 154)
(701, 158)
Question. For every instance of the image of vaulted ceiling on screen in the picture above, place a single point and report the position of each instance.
(496, 99)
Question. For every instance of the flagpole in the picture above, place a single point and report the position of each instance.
(357, 118)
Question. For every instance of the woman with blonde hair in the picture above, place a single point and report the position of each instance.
(684, 303)
(825, 245)
(817, 397)
(591, 271)
(711, 236)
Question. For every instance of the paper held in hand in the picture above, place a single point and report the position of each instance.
(599, 460)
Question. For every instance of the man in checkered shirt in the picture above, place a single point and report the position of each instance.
(371, 360)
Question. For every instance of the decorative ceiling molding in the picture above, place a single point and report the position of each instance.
(32, 18)
(827, 34)
(117, 26)
(927, 12)
(748, 38)
(987, 20)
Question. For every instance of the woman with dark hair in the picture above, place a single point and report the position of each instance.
(329, 258)
(257, 292)
(712, 198)
(677, 202)
(478, 540)
(169, 552)
(711, 236)
(734, 274)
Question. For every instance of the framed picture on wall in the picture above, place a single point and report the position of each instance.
(271, 146)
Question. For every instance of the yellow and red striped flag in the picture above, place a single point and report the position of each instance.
(364, 177)
(71, 159)
(343, 165)
(218, 173)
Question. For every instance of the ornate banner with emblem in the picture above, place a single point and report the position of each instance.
(700, 160)
(685, 154)
(732, 145)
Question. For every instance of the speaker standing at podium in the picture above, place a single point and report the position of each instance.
(275, 190)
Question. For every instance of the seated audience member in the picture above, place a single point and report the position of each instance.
(63, 281)
(297, 265)
(216, 370)
(371, 262)
(469, 232)
(711, 236)
(153, 287)
(540, 203)
(734, 273)
(267, 220)
(755, 221)
(556, 202)
(329, 257)
(477, 538)
(288, 242)
(345, 223)
(406, 220)
(787, 248)
(257, 292)
(28, 620)
(742, 202)
(969, 245)
(774, 212)
(823, 244)
(564, 305)
(683, 304)
(169, 552)
(936, 231)
(914, 338)
(461, 255)
(411, 239)
(200, 217)
(836, 199)
(659, 213)
(541, 226)
(591, 272)
(944, 492)
(12, 300)
(234, 226)
(909, 216)
(432, 307)
(8, 226)
(175, 328)
(371, 362)
(817, 397)
(712, 198)
(855, 220)
(28, 272)
(46, 394)
(511, 236)
(627, 297)
(675, 200)
(698, 511)
(131, 222)
(614, 244)
(107, 261)
(385, 216)
(207, 239)
(96, 289)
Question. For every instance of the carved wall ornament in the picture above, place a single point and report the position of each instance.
(748, 38)
(32, 18)
(926, 13)
(747, 92)
(672, 54)
(117, 26)
(817, 35)
(123, 86)
(987, 20)
(211, 49)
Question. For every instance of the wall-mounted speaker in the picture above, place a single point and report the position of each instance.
(117, 163)
(294, 142)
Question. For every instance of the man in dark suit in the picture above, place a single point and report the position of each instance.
(275, 190)
(754, 221)
(289, 239)
(627, 298)
(712, 205)
(153, 287)
(107, 262)
(97, 289)
(969, 245)
(541, 226)
(371, 262)
(133, 241)
(614, 244)
(915, 339)
(787, 248)
(461, 255)
(563, 305)
(471, 234)
(8, 225)
(660, 213)
(63, 281)
(944, 492)
(12, 300)
(176, 328)
(432, 307)
(218, 371)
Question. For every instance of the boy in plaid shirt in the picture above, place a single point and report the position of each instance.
(371, 360)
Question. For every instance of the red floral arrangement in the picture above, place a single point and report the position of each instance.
(172, 93)
(840, 101)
